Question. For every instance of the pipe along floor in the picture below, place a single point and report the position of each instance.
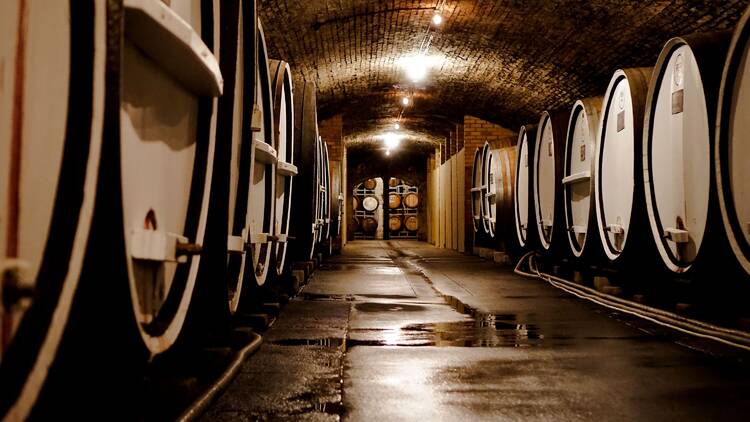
(382, 332)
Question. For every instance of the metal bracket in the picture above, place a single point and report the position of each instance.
(677, 235)
(615, 229)
(257, 119)
(235, 244)
(577, 229)
(154, 245)
(583, 176)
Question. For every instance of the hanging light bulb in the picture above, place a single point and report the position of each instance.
(405, 101)
(387, 152)
(397, 126)
(437, 19)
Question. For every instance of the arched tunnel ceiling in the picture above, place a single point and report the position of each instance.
(503, 61)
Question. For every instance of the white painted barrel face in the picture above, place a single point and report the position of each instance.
(615, 168)
(285, 154)
(40, 146)
(678, 162)
(579, 160)
(738, 150)
(158, 121)
(281, 150)
(476, 194)
(544, 181)
(522, 189)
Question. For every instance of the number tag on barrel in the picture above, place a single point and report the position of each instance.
(620, 121)
(583, 152)
(678, 100)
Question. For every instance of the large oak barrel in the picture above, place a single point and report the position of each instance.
(324, 190)
(618, 182)
(56, 57)
(283, 117)
(578, 177)
(393, 182)
(548, 171)
(370, 184)
(394, 200)
(506, 181)
(733, 145)
(677, 143)
(411, 200)
(305, 196)
(489, 170)
(476, 191)
(524, 205)
(411, 223)
(337, 198)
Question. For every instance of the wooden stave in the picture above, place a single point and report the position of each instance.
(732, 227)
(644, 250)
(506, 160)
(591, 247)
(60, 275)
(710, 52)
(305, 197)
(558, 119)
(282, 83)
(529, 240)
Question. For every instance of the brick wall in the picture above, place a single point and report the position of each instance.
(332, 131)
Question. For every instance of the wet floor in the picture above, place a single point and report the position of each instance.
(405, 331)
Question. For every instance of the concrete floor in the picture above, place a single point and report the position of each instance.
(375, 336)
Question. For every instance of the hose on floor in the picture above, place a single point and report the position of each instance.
(728, 336)
(201, 404)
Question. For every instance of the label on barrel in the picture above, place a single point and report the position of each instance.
(549, 149)
(583, 152)
(620, 121)
(678, 100)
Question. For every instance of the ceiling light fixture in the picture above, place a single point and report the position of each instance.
(437, 19)
(397, 126)
(405, 101)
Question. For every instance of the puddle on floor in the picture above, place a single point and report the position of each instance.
(320, 296)
(387, 307)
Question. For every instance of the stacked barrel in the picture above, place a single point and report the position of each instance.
(403, 203)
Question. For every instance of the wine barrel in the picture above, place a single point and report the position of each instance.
(506, 181)
(548, 170)
(677, 143)
(283, 120)
(394, 223)
(476, 190)
(370, 184)
(369, 225)
(57, 64)
(305, 195)
(324, 190)
(393, 182)
(370, 203)
(394, 200)
(411, 223)
(337, 198)
(618, 184)
(355, 203)
(578, 177)
(489, 172)
(733, 145)
(524, 206)
(411, 200)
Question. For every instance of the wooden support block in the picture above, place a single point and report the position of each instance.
(501, 258)
(683, 308)
(600, 283)
(578, 277)
(612, 290)
(639, 298)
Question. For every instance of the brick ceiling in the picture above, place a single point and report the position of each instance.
(503, 61)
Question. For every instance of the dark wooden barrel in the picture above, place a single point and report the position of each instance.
(621, 214)
(305, 195)
(283, 117)
(476, 191)
(394, 200)
(337, 198)
(487, 197)
(395, 223)
(369, 225)
(324, 190)
(355, 203)
(393, 182)
(548, 170)
(370, 184)
(504, 207)
(733, 146)
(411, 200)
(523, 192)
(578, 177)
(411, 223)
(43, 251)
(681, 199)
